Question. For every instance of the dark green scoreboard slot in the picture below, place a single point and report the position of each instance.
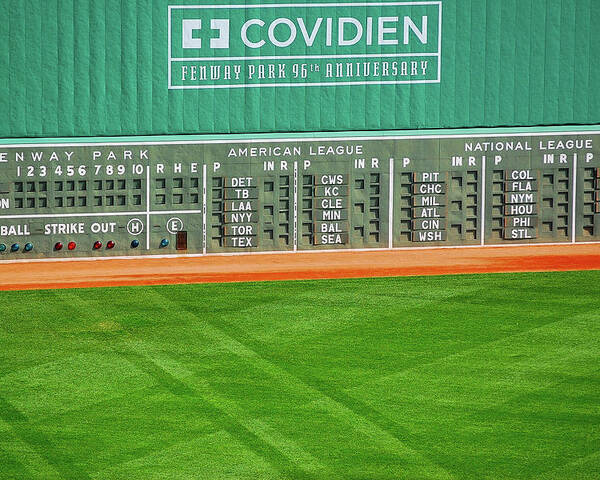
(589, 214)
(277, 194)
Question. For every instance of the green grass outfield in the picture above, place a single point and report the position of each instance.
(464, 377)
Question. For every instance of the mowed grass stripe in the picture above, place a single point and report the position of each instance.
(491, 376)
(283, 454)
(411, 460)
(302, 465)
(18, 456)
(509, 358)
(384, 421)
(279, 452)
(521, 374)
(337, 411)
(58, 460)
(586, 468)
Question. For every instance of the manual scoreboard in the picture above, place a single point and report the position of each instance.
(212, 195)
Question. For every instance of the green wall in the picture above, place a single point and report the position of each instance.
(82, 68)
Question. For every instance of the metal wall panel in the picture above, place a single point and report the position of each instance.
(79, 68)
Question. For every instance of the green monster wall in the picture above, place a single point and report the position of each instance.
(79, 68)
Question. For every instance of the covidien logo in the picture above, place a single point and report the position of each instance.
(242, 46)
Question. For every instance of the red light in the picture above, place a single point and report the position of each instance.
(71, 245)
(58, 246)
(97, 245)
(110, 244)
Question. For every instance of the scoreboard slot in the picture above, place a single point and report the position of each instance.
(556, 204)
(589, 215)
(463, 206)
(369, 225)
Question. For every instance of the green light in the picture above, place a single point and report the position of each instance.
(2, 247)
(28, 247)
(14, 247)
(164, 243)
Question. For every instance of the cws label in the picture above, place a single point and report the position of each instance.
(320, 44)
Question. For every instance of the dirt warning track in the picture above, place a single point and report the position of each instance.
(285, 266)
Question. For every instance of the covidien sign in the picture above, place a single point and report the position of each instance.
(274, 45)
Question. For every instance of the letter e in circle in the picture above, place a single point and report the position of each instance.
(174, 225)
